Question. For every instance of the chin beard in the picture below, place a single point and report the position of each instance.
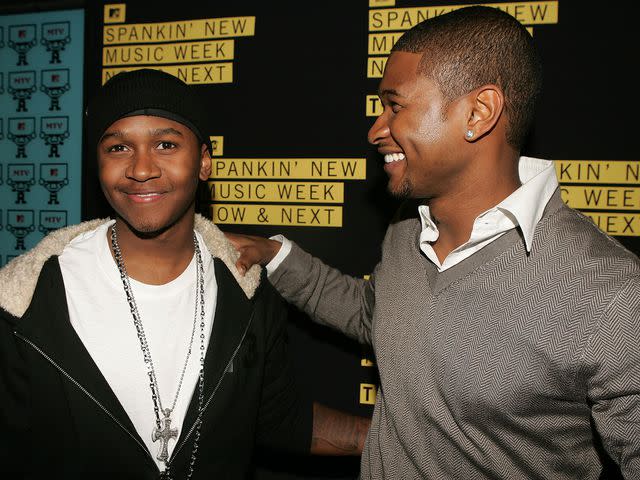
(403, 191)
(146, 230)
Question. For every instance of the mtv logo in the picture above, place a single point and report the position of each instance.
(53, 177)
(21, 126)
(217, 145)
(54, 126)
(21, 39)
(55, 78)
(20, 218)
(52, 220)
(21, 34)
(114, 13)
(20, 173)
(53, 172)
(55, 32)
(21, 177)
(20, 224)
(20, 81)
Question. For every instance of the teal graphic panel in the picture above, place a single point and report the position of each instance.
(41, 75)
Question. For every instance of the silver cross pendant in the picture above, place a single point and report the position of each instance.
(164, 434)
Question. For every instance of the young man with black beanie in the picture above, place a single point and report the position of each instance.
(131, 347)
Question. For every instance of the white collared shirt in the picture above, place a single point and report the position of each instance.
(523, 208)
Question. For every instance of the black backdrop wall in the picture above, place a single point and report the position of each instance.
(290, 87)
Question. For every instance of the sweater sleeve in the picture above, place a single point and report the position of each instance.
(326, 295)
(614, 385)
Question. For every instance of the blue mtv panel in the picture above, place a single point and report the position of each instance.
(41, 83)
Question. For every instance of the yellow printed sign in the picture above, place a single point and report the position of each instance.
(299, 168)
(381, 43)
(185, 52)
(293, 192)
(115, 13)
(601, 198)
(375, 66)
(368, 393)
(527, 13)
(374, 106)
(217, 145)
(201, 29)
(285, 215)
(620, 224)
(199, 74)
(598, 171)
(381, 3)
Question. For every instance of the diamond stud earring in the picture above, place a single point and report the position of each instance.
(469, 134)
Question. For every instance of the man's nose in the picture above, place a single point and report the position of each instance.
(143, 166)
(379, 130)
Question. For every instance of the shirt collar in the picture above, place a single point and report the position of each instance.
(430, 232)
(527, 203)
(524, 206)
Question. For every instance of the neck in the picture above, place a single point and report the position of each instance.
(456, 212)
(157, 259)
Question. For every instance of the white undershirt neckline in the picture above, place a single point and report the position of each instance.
(101, 317)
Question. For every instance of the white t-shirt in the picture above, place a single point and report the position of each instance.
(101, 317)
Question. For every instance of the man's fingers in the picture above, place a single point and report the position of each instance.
(235, 239)
(253, 250)
(242, 269)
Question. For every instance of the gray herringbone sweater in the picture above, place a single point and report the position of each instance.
(508, 365)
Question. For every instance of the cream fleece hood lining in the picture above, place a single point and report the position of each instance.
(19, 277)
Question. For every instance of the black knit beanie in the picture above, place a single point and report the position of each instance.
(145, 92)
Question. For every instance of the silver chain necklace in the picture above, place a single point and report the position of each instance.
(163, 431)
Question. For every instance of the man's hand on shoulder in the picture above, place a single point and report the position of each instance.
(253, 250)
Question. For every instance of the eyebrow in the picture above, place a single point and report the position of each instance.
(165, 131)
(158, 132)
(389, 91)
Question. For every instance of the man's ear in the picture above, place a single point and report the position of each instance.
(486, 106)
(205, 164)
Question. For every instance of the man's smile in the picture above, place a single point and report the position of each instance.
(144, 197)
(394, 157)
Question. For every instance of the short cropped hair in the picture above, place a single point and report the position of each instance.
(474, 46)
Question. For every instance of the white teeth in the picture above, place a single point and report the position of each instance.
(393, 157)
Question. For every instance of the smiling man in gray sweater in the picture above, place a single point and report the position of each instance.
(506, 326)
